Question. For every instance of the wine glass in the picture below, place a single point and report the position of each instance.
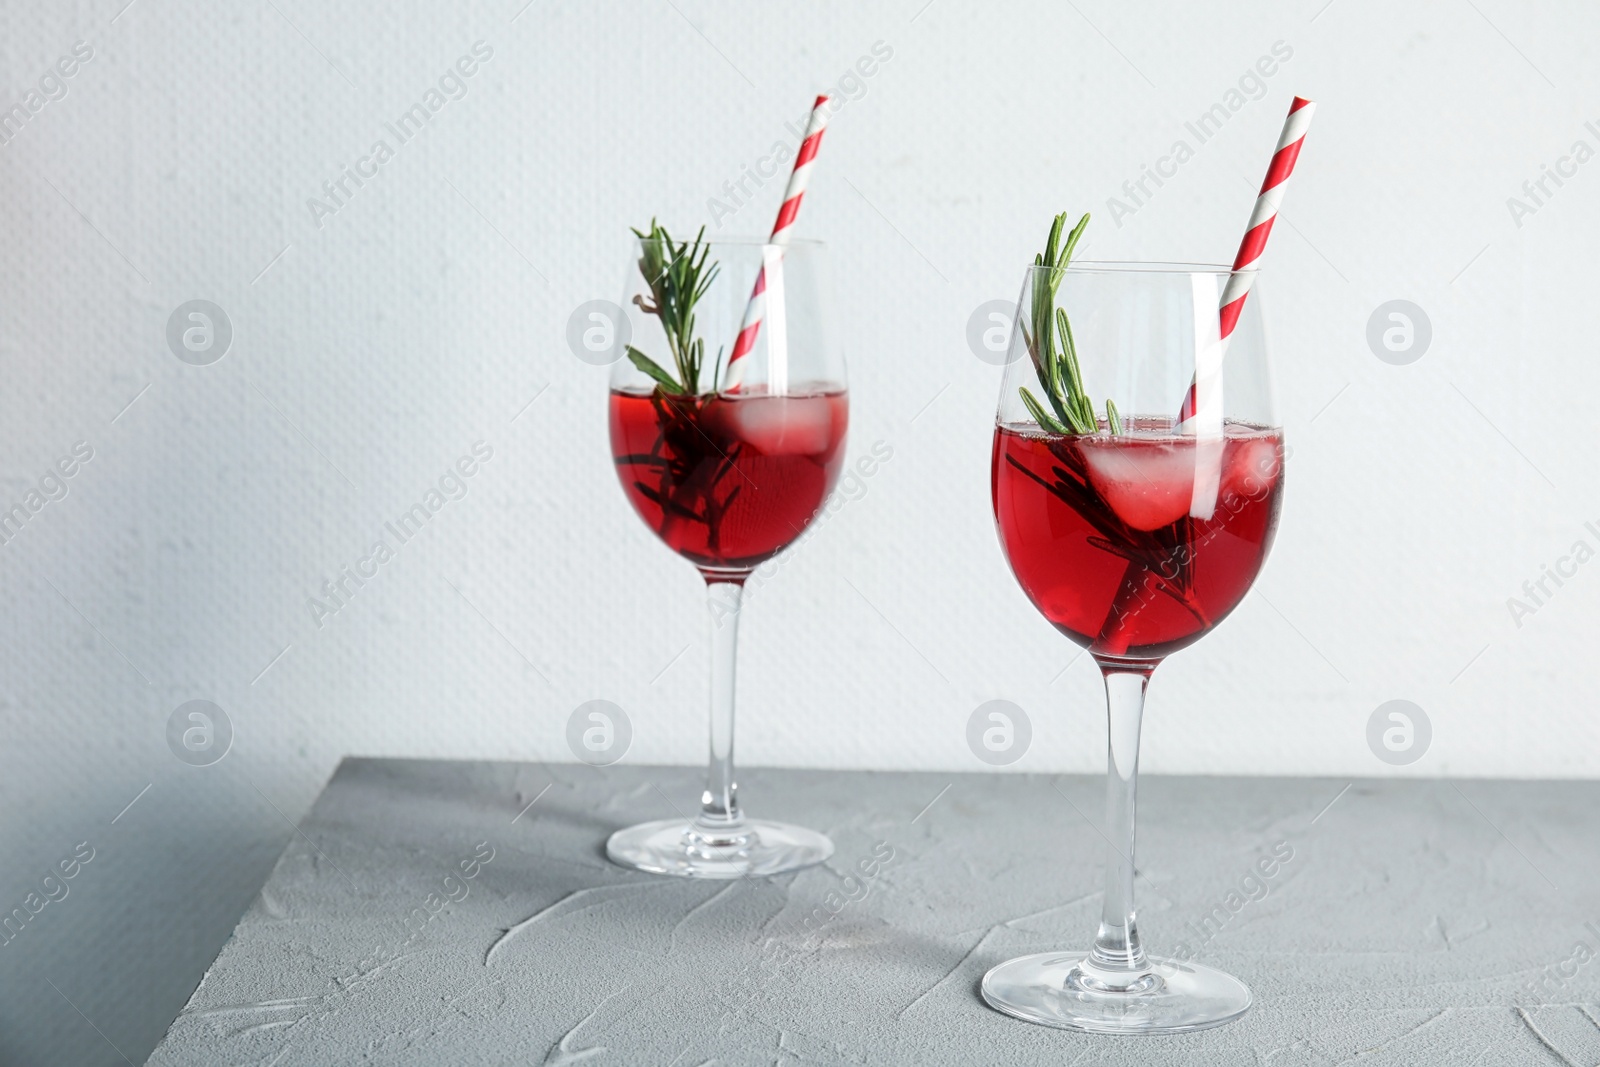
(728, 469)
(1133, 534)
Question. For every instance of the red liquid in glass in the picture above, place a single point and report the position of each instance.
(1099, 530)
(728, 481)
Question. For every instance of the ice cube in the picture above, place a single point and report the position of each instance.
(784, 425)
(1148, 484)
(1253, 466)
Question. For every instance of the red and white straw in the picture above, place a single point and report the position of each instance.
(755, 311)
(1261, 219)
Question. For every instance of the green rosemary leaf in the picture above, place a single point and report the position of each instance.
(1072, 238)
(1052, 379)
(1040, 415)
(1113, 420)
(650, 367)
(1071, 373)
(1067, 414)
(1076, 398)
(697, 352)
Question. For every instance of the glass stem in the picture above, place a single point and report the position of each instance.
(720, 821)
(1117, 960)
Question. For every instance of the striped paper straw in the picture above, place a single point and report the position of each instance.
(1261, 219)
(755, 311)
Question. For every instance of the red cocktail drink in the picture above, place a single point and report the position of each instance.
(1111, 540)
(728, 480)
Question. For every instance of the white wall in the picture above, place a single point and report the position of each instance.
(426, 313)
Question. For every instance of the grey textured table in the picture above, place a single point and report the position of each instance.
(1414, 922)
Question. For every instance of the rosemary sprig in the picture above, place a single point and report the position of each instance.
(1052, 348)
(678, 275)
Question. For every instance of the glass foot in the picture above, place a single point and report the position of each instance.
(1173, 998)
(757, 848)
